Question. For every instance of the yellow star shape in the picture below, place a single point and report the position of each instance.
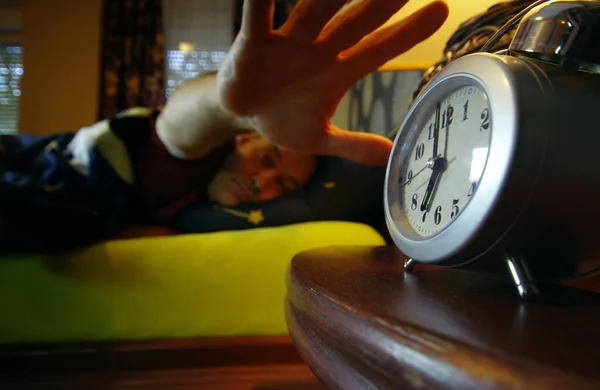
(255, 217)
(53, 188)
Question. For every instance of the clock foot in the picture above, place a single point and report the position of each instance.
(521, 276)
(409, 264)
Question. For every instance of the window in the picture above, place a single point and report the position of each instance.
(11, 65)
(198, 34)
(11, 70)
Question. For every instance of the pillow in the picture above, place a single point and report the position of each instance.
(340, 190)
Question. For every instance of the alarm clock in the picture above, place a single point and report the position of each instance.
(498, 159)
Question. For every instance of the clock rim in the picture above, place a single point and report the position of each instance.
(491, 73)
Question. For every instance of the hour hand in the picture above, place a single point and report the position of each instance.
(439, 165)
(427, 197)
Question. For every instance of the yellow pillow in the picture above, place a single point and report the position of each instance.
(212, 284)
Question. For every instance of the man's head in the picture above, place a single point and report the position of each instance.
(257, 170)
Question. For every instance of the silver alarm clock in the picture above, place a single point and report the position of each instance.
(499, 155)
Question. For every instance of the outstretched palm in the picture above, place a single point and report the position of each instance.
(290, 81)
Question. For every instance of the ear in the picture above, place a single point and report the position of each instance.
(242, 138)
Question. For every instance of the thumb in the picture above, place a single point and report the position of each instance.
(365, 148)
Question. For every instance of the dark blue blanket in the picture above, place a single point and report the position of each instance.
(63, 191)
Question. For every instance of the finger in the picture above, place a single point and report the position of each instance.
(365, 148)
(257, 17)
(309, 17)
(389, 42)
(360, 18)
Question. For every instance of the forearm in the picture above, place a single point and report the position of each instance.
(193, 121)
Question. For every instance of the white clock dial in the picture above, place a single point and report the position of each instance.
(442, 171)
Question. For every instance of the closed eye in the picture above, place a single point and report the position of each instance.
(267, 161)
(288, 184)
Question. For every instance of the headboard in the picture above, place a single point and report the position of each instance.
(379, 102)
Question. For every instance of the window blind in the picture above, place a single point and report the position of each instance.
(198, 34)
(11, 65)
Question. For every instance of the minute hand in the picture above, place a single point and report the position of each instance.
(436, 161)
(436, 129)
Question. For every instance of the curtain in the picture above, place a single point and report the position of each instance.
(132, 69)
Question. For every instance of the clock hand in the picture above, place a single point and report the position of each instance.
(450, 113)
(439, 162)
(433, 180)
(416, 174)
(439, 178)
(429, 165)
(439, 166)
(436, 129)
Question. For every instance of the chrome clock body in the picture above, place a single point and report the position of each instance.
(537, 195)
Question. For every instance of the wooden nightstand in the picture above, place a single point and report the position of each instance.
(225, 363)
(361, 322)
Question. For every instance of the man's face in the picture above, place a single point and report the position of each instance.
(257, 170)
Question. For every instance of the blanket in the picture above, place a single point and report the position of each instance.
(62, 191)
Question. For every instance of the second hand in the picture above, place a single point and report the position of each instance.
(421, 170)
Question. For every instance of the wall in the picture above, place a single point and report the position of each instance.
(61, 61)
(61, 40)
(10, 21)
(430, 51)
(368, 107)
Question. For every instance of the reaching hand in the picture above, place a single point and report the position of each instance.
(289, 82)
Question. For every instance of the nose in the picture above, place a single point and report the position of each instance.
(266, 184)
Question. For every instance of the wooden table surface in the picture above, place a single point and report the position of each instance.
(222, 363)
(361, 322)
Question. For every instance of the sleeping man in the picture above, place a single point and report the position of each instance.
(247, 134)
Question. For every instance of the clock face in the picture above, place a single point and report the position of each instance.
(454, 157)
(442, 167)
